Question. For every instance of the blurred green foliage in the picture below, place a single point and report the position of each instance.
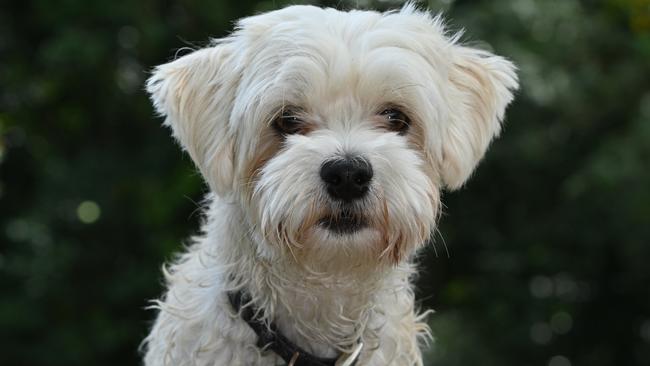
(548, 244)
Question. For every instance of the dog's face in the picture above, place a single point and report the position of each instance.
(335, 131)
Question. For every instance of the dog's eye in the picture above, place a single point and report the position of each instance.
(397, 120)
(288, 122)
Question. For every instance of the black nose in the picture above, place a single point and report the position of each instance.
(346, 179)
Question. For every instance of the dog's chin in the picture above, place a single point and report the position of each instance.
(344, 238)
(344, 224)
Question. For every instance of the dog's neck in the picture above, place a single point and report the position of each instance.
(324, 313)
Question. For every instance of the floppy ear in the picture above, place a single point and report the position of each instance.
(195, 95)
(481, 88)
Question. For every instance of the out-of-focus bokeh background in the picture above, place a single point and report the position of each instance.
(549, 253)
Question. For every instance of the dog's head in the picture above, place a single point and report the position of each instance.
(335, 131)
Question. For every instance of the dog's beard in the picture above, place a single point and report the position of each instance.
(344, 221)
(299, 221)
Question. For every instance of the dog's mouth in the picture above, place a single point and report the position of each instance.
(345, 222)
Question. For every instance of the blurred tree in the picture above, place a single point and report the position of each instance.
(547, 243)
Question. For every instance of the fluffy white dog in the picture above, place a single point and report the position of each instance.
(326, 138)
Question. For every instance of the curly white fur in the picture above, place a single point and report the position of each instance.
(325, 291)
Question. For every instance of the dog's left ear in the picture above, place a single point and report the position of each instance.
(481, 88)
(195, 95)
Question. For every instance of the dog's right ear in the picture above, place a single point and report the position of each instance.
(195, 95)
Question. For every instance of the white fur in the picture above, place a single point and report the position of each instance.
(325, 292)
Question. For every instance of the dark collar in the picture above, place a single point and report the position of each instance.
(269, 338)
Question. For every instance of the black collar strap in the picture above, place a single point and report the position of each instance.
(269, 338)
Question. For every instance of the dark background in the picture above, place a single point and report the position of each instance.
(548, 243)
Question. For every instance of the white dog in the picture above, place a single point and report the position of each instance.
(326, 138)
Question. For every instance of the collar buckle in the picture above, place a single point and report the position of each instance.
(294, 358)
(349, 359)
